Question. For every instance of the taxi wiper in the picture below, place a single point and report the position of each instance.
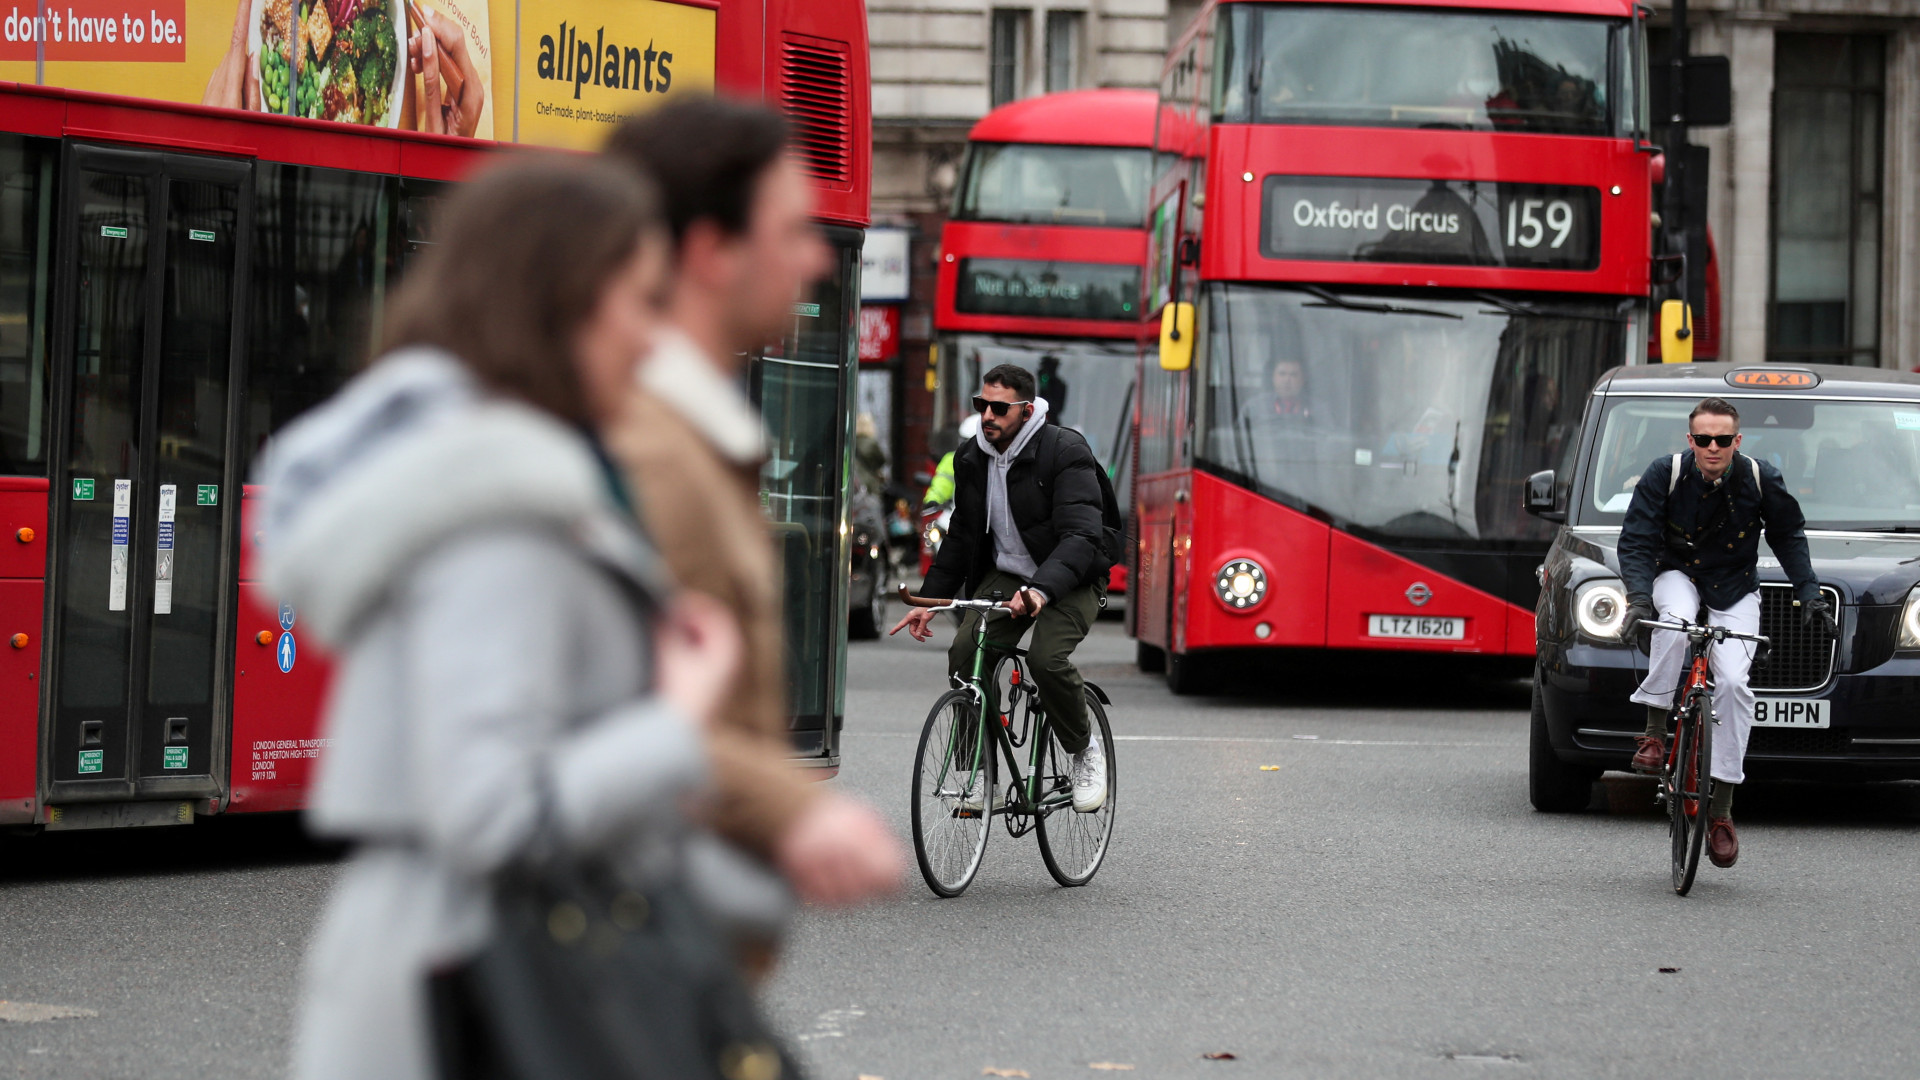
(1892, 528)
(1328, 299)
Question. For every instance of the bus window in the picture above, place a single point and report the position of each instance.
(321, 263)
(801, 387)
(26, 224)
(1401, 418)
(1371, 67)
(1034, 184)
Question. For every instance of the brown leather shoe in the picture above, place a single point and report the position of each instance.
(1723, 844)
(1649, 755)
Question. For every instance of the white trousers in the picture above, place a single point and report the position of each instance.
(1676, 599)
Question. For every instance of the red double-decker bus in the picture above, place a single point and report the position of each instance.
(179, 279)
(1040, 262)
(1398, 243)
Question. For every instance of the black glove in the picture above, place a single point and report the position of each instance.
(1639, 610)
(1816, 615)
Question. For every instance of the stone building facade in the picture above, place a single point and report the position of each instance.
(1814, 198)
(939, 66)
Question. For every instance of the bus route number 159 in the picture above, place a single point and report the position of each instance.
(1529, 220)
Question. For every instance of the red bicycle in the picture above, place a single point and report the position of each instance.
(1686, 784)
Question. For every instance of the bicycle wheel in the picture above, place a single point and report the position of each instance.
(1072, 845)
(953, 766)
(1688, 779)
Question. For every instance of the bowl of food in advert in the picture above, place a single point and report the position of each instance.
(352, 60)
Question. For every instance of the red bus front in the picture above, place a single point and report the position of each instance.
(179, 280)
(1040, 263)
(1412, 237)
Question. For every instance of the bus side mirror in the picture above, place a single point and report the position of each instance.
(1676, 333)
(1176, 336)
(1541, 497)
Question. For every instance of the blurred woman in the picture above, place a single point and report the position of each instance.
(449, 529)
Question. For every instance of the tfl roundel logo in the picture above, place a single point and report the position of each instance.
(1418, 594)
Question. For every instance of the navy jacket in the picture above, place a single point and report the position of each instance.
(1053, 491)
(1711, 532)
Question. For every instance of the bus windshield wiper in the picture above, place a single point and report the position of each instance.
(1328, 299)
(1518, 307)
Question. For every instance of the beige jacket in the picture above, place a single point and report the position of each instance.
(692, 446)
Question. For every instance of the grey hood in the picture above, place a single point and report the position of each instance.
(409, 455)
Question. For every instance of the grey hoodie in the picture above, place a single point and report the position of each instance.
(1009, 551)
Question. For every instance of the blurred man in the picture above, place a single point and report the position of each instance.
(745, 248)
(1286, 402)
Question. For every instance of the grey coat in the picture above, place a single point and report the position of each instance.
(487, 602)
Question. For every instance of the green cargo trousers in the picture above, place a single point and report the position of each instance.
(1062, 625)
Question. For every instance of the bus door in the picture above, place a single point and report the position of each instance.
(147, 376)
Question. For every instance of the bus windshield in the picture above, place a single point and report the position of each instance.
(1088, 384)
(1852, 464)
(1414, 416)
(1034, 184)
(1384, 67)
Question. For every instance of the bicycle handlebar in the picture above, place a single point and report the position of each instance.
(1718, 633)
(938, 604)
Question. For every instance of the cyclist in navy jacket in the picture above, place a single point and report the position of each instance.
(1692, 534)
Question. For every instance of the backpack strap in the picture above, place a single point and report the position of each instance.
(1755, 462)
(1673, 478)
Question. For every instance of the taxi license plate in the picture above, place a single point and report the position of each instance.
(1792, 713)
(1429, 627)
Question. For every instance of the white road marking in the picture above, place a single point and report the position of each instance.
(1317, 741)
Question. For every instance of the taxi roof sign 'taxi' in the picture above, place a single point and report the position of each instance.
(1773, 379)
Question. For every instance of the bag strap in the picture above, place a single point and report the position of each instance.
(1673, 477)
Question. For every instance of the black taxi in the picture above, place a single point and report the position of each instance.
(1847, 441)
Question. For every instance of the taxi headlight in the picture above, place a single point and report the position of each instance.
(933, 536)
(1910, 621)
(1241, 584)
(1600, 607)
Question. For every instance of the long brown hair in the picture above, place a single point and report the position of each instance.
(520, 257)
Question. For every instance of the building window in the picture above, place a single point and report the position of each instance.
(1828, 93)
(1063, 50)
(1007, 62)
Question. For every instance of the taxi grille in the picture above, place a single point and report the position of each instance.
(1785, 742)
(1802, 658)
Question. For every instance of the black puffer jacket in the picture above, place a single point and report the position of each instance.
(1053, 491)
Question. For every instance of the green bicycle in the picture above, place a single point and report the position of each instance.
(956, 783)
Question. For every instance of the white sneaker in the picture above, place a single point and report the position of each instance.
(971, 797)
(1089, 772)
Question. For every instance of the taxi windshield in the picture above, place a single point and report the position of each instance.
(1852, 464)
(1380, 67)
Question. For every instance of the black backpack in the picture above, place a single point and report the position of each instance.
(1113, 523)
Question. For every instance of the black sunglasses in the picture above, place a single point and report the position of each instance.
(1704, 441)
(999, 408)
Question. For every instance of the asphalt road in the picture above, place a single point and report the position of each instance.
(1383, 904)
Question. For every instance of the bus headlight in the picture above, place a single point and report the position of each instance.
(1910, 621)
(1241, 584)
(1600, 607)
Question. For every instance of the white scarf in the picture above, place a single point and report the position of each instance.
(1009, 551)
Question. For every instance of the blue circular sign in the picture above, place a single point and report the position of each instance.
(286, 616)
(284, 651)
